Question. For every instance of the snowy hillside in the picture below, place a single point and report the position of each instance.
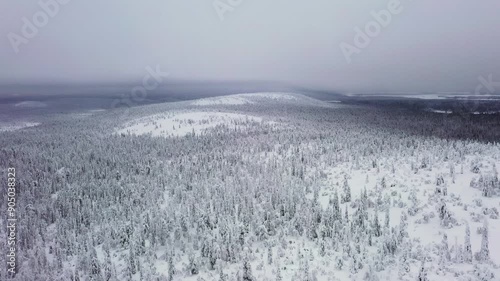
(258, 98)
(31, 104)
(184, 123)
(258, 187)
(247, 99)
(12, 126)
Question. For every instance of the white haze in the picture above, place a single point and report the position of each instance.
(430, 46)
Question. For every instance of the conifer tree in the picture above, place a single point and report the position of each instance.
(484, 253)
(377, 230)
(279, 277)
(467, 245)
(269, 255)
(422, 273)
(387, 219)
(346, 197)
(171, 267)
(247, 271)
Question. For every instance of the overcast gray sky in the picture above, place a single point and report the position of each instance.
(429, 46)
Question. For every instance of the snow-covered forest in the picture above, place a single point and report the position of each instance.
(256, 187)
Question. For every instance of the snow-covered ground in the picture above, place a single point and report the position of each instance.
(250, 98)
(4, 127)
(440, 111)
(438, 96)
(183, 123)
(401, 182)
(451, 111)
(229, 100)
(262, 193)
(87, 113)
(30, 104)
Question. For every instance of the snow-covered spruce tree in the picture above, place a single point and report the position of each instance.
(467, 252)
(247, 270)
(305, 272)
(444, 253)
(487, 188)
(484, 273)
(387, 219)
(213, 253)
(413, 209)
(371, 274)
(452, 173)
(193, 265)
(444, 214)
(346, 216)
(109, 268)
(484, 252)
(360, 216)
(171, 267)
(403, 227)
(131, 268)
(346, 196)
(337, 215)
(339, 263)
(440, 184)
(422, 273)
(404, 263)
(322, 247)
(95, 266)
(353, 265)
(279, 277)
(457, 252)
(222, 275)
(377, 229)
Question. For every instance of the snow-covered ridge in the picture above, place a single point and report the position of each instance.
(183, 123)
(30, 104)
(440, 111)
(450, 111)
(249, 98)
(4, 127)
(438, 96)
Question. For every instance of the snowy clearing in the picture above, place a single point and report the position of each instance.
(4, 127)
(30, 104)
(229, 100)
(183, 123)
(249, 98)
(440, 111)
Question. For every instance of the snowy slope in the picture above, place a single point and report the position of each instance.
(249, 98)
(30, 104)
(184, 123)
(16, 126)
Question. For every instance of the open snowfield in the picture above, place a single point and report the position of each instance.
(4, 127)
(30, 104)
(249, 98)
(231, 100)
(183, 123)
(442, 96)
